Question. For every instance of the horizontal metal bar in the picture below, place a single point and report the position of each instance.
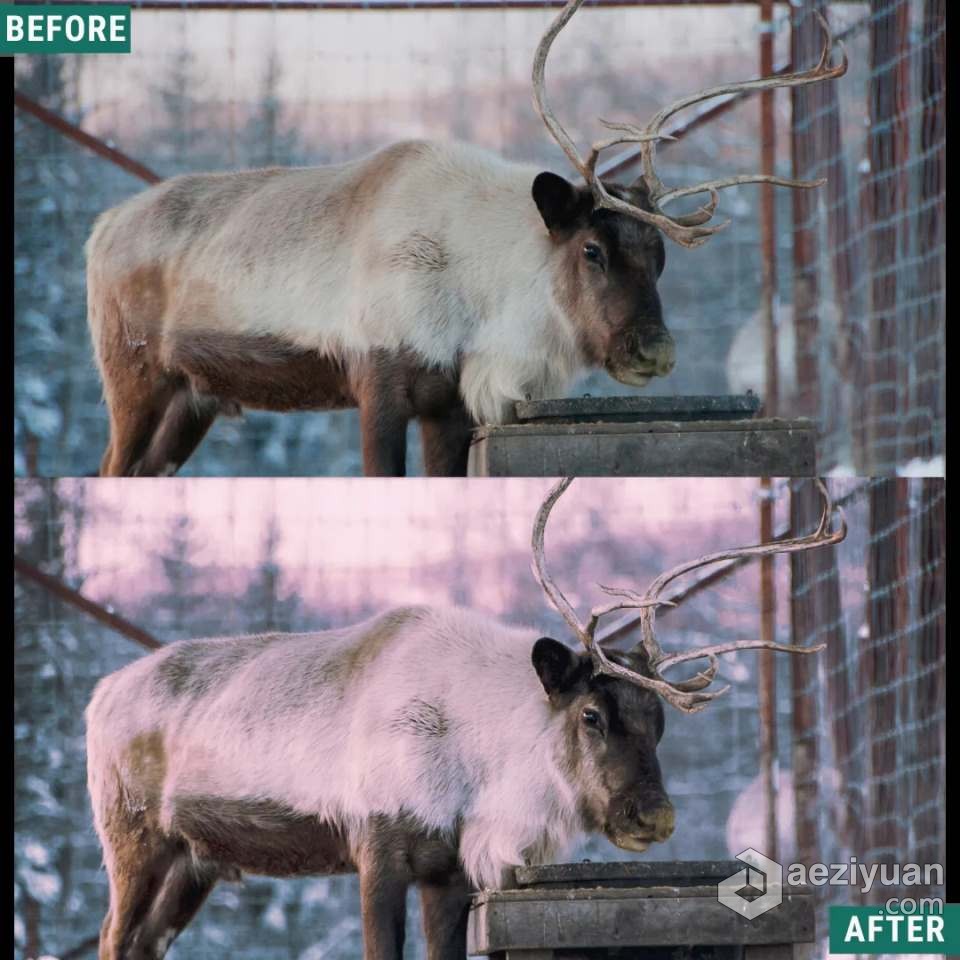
(393, 5)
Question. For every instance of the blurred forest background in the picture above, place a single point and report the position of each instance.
(210, 557)
(224, 90)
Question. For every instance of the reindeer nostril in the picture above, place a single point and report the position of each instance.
(659, 822)
(660, 351)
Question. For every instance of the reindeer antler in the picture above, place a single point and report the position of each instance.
(688, 695)
(688, 230)
(584, 632)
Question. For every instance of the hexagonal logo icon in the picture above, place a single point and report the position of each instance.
(755, 889)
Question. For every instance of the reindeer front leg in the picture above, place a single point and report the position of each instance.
(383, 866)
(444, 906)
(446, 442)
(385, 411)
(383, 441)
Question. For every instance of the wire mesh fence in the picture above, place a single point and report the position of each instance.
(869, 725)
(868, 267)
(859, 298)
(861, 753)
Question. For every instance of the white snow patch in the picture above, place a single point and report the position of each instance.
(163, 943)
(37, 854)
(44, 887)
(918, 467)
(746, 827)
(229, 899)
(735, 670)
(216, 935)
(275, 917)
(316, 892)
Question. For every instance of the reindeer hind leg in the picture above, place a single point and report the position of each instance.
(136, 412)
(137, 384)
(185, 421)
(182, 893)
(138, 861)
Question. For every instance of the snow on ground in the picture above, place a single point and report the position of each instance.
(918, 467)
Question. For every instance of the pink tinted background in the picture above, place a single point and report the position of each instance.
(350, 547)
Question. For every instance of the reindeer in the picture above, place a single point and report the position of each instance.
(426, 746)
(427, 281)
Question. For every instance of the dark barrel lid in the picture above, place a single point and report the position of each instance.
(638, 409)
(656, 873)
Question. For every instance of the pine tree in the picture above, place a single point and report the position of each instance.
(57, 662)
(185, 607)
(267, 140)
(266, 607)
(182, 142)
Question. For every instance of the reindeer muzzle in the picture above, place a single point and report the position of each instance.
(636, 830)
(655, 357)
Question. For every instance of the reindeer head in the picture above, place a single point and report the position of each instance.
(610, 235)
(613, 702)
(611, 732)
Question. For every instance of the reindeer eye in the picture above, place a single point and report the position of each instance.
(591, 717)
(593, 253)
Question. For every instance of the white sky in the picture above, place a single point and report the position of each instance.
(387, 53)
(338, 54)
(345, 72)
(347, 57)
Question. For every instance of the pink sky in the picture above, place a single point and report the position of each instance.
(351, 544)
(365, 522)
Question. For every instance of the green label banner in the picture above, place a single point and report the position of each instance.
(927, 928)
(77, 28)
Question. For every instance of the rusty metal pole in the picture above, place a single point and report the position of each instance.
(768, 222)
(803, 673)
(805, 40)
(99, 612)
(888, 138)
(73, 132)
(879, 689)
(767, 678)
(768, 596)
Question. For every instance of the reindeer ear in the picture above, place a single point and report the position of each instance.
(635, 659)
(640, 193)
(556, 199)
(556, 665)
